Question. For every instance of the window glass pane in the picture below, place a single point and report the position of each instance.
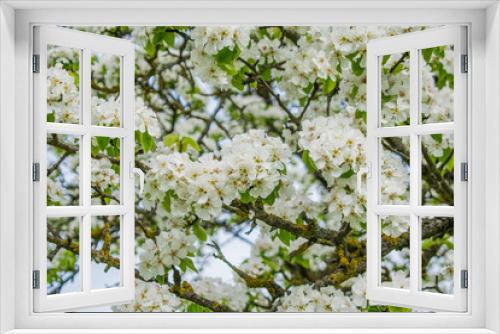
(63, 260)
(437, 254)
(106, 102)
(105, 252)
(394, 169)
(437, 169)
(395, 89)
(395, 265)
(437, 77)
(63, 169)
(105, 170)
(63, 85)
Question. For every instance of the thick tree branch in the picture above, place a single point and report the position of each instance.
(311, 231)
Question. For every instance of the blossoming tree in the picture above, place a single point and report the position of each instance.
(252, 129)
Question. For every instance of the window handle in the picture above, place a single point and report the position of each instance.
(359, 176)
(138, 171)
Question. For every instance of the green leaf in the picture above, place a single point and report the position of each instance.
(357, 69)
(158, 34)
(102, 142)
(167, 201)
(266, 75)
(328, 86)
(171, 139)
(238, 82)
(360, 114)
(170, 38)
(246, 198)
(385, 59)
(300, 260)
(437, 137)
(398, 309)
(285, 237)
(113, 148)
(188, 141)
(427, 243)
(150, 48)
(427, 54)
(347, 174)
(51, 117)
(186, 264)
(308, 161)
(200, 232)
(271, 198)
(397, 69)
(147, 142)
(195, 308)
(224, 56)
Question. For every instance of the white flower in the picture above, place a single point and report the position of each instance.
(149, 262)
(174, 246)
(250, 162)
(213, 288)
(145, 119)
(106, 112)
(305, 298)
(399, 280)
(394, 226)
(151, 297)
(63, 96)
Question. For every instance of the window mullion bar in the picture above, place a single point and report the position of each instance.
(85, 245)
(414, 174)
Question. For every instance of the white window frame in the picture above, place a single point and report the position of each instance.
(85, 43)
(414, 210)
(17, 19)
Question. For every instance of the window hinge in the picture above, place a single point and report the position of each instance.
(465, 63)
(464, 171)
(36, 63)
(36, 279)
(464, 279)
(36, 172)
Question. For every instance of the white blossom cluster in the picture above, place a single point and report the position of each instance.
(106, 69)
(62, 182)
(437, 103)
(104, 177)
(251, 162)
(437, 145)
(63, 96)
(55, 190)
(166, 250)
(334, 145)
(213, 288)
(439, 271)
(145, 119)
(394, 178)
(395, 226)
(304, 298)
(396, 268)
(106, 112)
(151, 297)
(314, 57)
(208, 41)
(337, 149)
(395, 87)
(399, 279)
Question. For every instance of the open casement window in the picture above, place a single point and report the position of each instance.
(417, 175)
(83, 170)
